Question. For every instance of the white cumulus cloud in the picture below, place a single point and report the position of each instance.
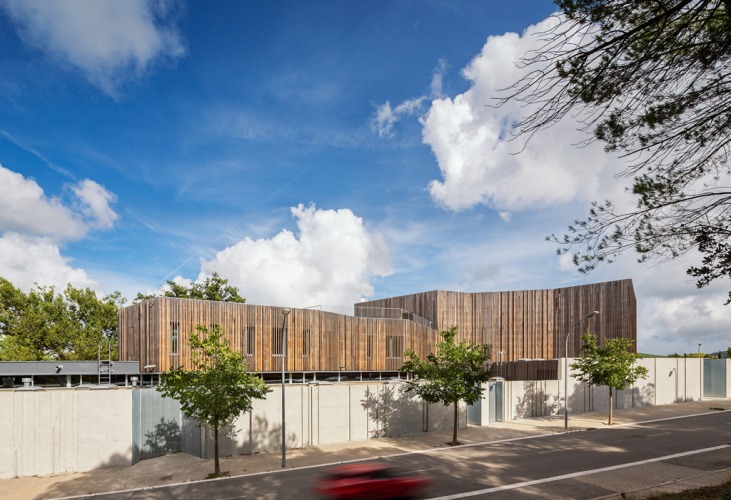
(34, 225)
(470, 139)
(95, 203)
(30, 259)
(25, 208)
(330, 261)
(386, 117)
(106, 39)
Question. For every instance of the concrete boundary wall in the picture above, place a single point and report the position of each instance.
(62, 430)
(326, 414)
(669, 380)
(59, 431)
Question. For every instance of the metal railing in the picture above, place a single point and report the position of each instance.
(390, 313)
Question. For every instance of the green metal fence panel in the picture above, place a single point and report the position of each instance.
(495, 393)
(474, 413)
(157, 425)
(714, 378)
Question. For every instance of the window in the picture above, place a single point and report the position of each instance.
(174, 337)
(306, 342)
(250, 334)
(369, 346)
(276, 341)
(394, 346)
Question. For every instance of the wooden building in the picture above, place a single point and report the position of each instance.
(519, 325)
(155, 333)
(530, 324)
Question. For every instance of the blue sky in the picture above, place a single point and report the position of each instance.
(313, 153)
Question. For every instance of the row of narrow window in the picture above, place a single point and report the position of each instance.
(394, 344)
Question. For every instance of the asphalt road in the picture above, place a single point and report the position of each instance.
(522, 468)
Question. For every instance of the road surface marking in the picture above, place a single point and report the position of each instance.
(575, 474)
(555, 450)
(406, 453)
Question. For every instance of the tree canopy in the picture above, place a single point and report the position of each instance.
(455, 373)
(218, 388)
(72, 324)
(652, 80)
(213, 287)
(45, 325)
(612, 365)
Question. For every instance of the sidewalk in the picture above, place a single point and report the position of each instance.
(180, 467)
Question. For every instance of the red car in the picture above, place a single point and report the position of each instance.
(370, 481)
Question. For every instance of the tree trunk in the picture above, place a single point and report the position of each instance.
(456, 423)
(217, 471)
(610, 406)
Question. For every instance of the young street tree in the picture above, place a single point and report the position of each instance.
(455, 373)
(218, 388)
(612, 365)
(652, 80)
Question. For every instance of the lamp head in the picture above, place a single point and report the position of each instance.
(285, 311)
(592, 314)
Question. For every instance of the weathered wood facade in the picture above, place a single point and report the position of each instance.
(530, 324)
(156, 331)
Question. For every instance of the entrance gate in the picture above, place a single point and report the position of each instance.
(495, 400)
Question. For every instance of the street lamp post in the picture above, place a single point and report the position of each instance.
(285, 312)
(566, 371)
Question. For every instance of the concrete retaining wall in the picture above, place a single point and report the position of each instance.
(327, 414)
(69, 430)
(669, 380)
(51, 432)
(55, 431)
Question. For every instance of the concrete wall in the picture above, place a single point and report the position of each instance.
(325, 414)
(70, 430)
(531, 398)
(669, 380)
(63, 430)
(55, 431)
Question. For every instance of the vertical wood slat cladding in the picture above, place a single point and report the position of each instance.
(616, 303)
(524, 324)
(422, 304)
(335, 340)
(527, 324)
(527, 370)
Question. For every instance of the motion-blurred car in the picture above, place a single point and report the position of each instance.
(370, 481)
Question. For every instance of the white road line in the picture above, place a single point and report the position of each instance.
(630, 424)
(575, 474)
(406, 453)
(554, 450)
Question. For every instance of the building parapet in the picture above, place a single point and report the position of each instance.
(390, 313)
